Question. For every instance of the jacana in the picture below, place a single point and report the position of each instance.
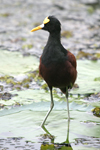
(57, 65)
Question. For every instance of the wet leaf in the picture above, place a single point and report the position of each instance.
(30, 118)
(15, 63)
(97, 79)
(47, 147)
(97, 55)
(90, 10)
(27, 46)
(87, 72)
(5, 14)
(67, 34)
(82, 54)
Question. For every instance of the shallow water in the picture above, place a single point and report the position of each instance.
(81, 21)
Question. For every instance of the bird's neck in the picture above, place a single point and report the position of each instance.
(54, 38)
(54, 52)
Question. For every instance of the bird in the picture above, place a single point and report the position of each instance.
(58, 66)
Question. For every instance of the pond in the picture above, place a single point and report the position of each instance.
(25, 97)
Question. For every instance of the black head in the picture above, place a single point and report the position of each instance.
(50, 24)
(53, 25)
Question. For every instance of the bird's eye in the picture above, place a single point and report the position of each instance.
(46, 20)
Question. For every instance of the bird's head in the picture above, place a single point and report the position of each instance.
(50, 24)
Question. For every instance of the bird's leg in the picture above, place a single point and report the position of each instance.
(67, 103)
(67, 140)
(51, 107)
(67, 137)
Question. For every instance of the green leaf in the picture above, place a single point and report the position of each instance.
(87, 72)
(14, 63)
(19, 123)
(44, 106)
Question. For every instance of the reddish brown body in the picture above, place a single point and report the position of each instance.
(60, 75)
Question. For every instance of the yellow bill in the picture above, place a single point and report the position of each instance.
(46, 20)
(37, 28)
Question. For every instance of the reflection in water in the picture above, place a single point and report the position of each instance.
(54, 146)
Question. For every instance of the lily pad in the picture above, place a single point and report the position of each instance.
(29, 96)
(16, 122)
(87, 72)
(14, 63)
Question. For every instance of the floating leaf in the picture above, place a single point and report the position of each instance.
(14, 63)
(17, 123)
(82, 54)
(87, 72)
(67, 34)
(97, 79)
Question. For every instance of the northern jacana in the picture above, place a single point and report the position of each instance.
(57, 65)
